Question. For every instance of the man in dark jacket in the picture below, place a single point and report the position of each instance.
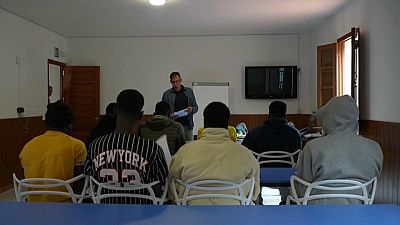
(181, 99)
(275, 133)
(160, 124)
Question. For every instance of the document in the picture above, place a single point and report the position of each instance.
(162, 142)
(181, 113)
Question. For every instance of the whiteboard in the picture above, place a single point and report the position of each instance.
(205, 93)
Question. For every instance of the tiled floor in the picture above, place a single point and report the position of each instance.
(7, 195)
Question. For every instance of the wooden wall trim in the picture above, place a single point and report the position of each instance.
(254, 120)
(14, 134)
(387, 134)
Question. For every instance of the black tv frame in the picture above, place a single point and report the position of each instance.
(293, 95)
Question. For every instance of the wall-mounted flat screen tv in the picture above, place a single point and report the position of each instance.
(270, 82)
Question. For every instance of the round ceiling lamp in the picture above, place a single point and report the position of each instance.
(157, 2)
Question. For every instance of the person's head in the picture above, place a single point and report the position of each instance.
(59, 117)
(340, 114)
(49, 90)
(277, 109)
(129, 105)
(162, 108)
(176, 80)
(216, 115)
(111, 109)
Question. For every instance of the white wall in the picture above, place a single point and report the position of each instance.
(144, 63)
(380, 53)
(25, 85)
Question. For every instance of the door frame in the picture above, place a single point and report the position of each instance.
(61, 65)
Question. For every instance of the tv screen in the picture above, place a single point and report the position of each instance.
(270, 82)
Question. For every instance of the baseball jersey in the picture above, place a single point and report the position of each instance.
(52, 155)
(121, 158)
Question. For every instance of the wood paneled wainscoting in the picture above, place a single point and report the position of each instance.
(388, 136)
(14, 133)
(254, 120)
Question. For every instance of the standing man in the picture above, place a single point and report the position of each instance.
(182, 99)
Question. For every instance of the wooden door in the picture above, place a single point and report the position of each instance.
(81, 90)
(326, 73)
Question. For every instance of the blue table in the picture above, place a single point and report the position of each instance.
(276, 177)
(14, 213)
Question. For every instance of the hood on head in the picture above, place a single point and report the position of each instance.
(158, 122)
(340, 114)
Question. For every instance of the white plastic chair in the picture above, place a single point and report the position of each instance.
(335, 187)
(40, 186)
(207, 187)
(276, 157)
(99, 191)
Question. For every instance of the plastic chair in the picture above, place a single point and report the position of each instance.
(100, 191)
(337, 188)
(40, 186)
(206, 187)
(276, 157)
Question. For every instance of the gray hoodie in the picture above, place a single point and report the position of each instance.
(342, 153)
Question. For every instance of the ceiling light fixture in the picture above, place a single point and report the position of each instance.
(157, 2)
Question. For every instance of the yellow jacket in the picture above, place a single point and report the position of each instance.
(214, 157)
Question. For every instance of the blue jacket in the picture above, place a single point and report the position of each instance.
(169, 96)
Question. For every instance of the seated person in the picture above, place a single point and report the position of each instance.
(105, 125)
(122, 157)
(342, 153)
(160, 124)
(215, 156)
(274, 135)
(53, 154)
(231, 131)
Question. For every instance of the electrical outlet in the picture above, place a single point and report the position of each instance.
(20, 112)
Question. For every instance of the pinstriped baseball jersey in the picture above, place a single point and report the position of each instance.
(121, 158)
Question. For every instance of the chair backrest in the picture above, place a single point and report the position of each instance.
(100, 191)
(206, 189)
(330, 189)
(42, 186)
(276, 157)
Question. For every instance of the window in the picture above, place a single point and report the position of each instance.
(338, 68)
(348, 64)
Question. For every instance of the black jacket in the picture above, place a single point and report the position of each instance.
(274, 134)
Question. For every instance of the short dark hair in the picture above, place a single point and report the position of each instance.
(216, 115)
(173, 74)
(130, 101)
(162, 108)
(59, 115)
(110, 109)
(277, 109)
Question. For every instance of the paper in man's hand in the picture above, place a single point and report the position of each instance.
(180, 113)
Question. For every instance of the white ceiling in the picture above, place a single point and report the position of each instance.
(123, 18)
